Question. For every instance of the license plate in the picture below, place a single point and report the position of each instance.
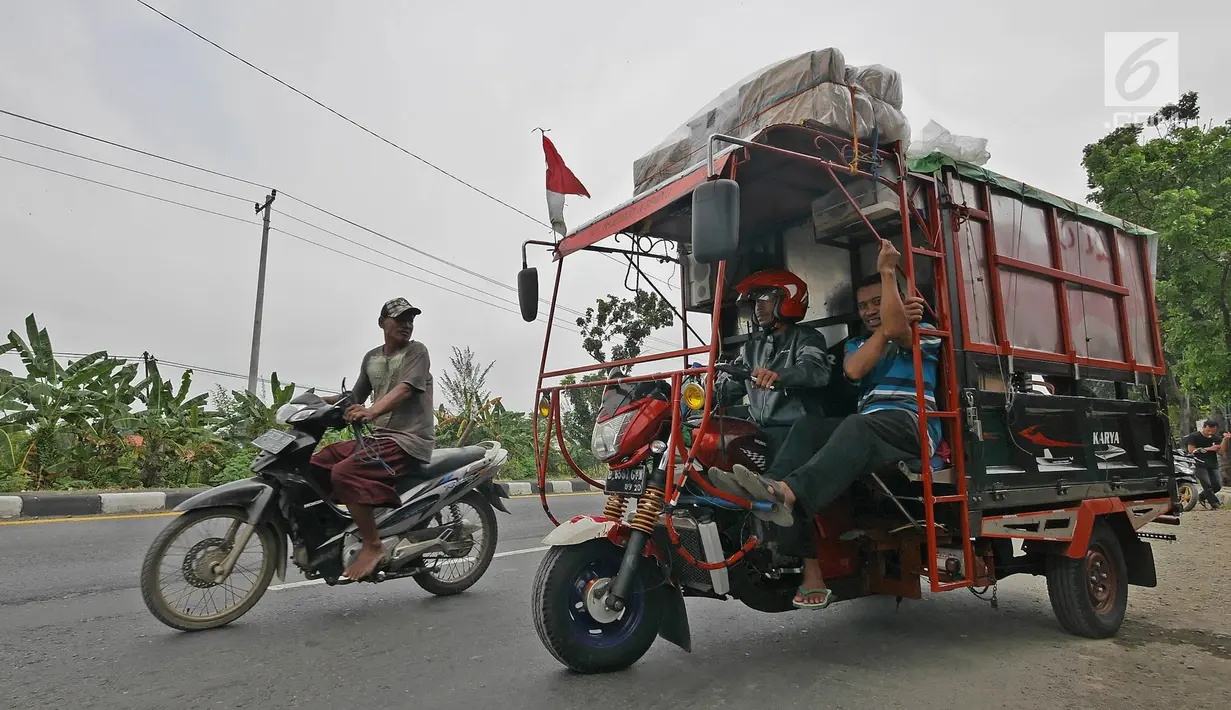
(627, 481)
(273, 441)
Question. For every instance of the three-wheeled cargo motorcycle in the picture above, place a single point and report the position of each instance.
(1022, 287)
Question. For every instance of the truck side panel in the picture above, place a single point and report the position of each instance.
(1040, 283)
(1038, 449)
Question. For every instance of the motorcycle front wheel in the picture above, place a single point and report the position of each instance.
(575, 626)
(177, 579)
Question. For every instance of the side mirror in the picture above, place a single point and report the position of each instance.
(715, 221)
(528, 293)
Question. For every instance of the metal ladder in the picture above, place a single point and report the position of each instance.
(949, 412)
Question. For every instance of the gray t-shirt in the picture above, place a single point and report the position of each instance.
(412, 423)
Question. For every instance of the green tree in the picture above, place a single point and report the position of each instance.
(623, 324)
(1178, 183)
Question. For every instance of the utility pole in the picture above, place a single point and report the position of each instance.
(260, 292)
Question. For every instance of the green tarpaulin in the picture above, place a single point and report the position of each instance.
(934, 162)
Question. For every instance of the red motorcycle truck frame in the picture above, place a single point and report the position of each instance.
(1020, 283)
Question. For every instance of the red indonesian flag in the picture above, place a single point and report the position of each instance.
(560, 182)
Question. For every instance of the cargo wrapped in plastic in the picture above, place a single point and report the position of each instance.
(816, 85)
(935, 138)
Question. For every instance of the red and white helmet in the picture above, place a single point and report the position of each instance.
(789, 289)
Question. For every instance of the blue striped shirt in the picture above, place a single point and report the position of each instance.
(891, 383)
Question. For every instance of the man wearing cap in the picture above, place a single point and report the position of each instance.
(397, 376)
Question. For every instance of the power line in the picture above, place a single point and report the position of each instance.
(174, 161)
(177, 365)
(289, 234)
(131, 170)
(290, 216)
(300, 220)
(360, 126)
(349, 120)
(411, 265)
(131, 149)
(125, 189)
(406, 275)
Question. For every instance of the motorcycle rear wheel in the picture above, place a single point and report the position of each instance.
(429, 579)
(152, 574)
(1188, 496)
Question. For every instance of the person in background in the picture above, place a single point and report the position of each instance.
(1205, 445)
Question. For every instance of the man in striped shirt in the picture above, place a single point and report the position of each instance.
(885, 429)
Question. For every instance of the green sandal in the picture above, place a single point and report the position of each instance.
(805, 593)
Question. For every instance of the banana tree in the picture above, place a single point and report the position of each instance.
(244, 416)
(173, 428)
(56, 405)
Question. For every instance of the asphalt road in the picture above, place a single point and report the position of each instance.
(74, 633)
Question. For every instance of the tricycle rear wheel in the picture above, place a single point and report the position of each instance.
(1090, 595)
(563, 620)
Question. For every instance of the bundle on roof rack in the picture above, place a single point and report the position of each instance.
(816, 85)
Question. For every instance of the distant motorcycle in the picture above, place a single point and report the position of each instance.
(426, 537)
(1186, 479)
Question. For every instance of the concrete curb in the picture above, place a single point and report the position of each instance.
(39, 505)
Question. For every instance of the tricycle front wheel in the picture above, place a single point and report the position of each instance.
(572, 620)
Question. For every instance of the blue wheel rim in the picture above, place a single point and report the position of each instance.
(589, 631)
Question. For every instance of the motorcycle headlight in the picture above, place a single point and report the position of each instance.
(286, 411)
(605, 441)
(301, 415)
(693, 395)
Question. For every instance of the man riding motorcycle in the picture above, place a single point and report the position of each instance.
(780, 353)
(397, 375)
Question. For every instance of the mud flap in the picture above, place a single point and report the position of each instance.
(1139, 558)
(494, 493)
(675, 618)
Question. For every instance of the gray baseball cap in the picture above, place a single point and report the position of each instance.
(397, 307)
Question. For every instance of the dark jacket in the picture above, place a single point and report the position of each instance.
(799, 357)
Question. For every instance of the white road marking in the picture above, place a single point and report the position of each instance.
(311, 582)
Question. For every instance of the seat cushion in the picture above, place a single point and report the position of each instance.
(445, 460)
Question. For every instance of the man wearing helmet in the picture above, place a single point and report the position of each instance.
(884, 430)
(397, 375)
(788, 363)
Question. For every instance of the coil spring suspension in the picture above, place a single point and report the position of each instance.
(615, 506)
(649, 507)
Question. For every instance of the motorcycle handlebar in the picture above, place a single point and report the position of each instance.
(742, 373)
(734, 370)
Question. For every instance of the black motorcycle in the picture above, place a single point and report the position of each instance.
(427, 537)
(1186, 479)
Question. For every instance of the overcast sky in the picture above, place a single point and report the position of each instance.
(463, 85)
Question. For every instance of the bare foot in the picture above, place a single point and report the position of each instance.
(788, 498)
(365, 563)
